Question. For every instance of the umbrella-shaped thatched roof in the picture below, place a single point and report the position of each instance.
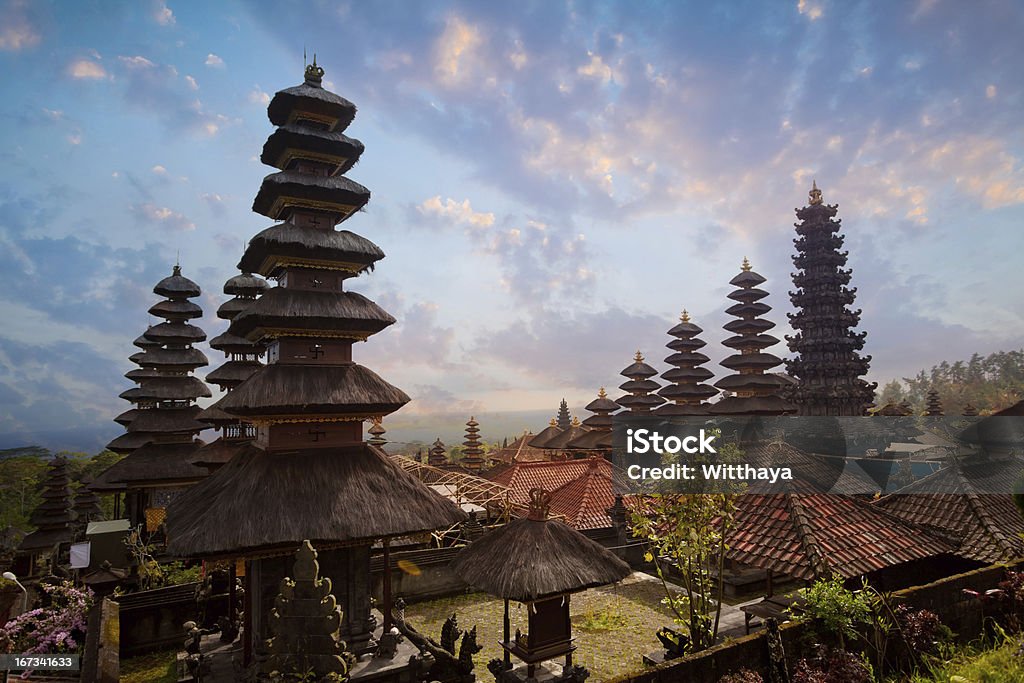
(535, 557)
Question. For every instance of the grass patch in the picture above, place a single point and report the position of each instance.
(156, 667)
(614, 648)
(599, 620)
(1000, 664)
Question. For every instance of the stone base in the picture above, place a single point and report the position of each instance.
(544, 672)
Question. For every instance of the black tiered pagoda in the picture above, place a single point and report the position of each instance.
(161, 435)
(687, 392)
(437, 456)
(933, 406)
(827, 366)
(473, 455)
(599, 425)
(52, 519)
(755, 392)
(563, 419)
(310, 475)
(640, 397)
(243, 359)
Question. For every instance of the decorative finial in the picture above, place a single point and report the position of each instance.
(176, 270)
(639, 357)
(314, 73)
(553, 423)
(602, 393)
(539, 502)
(746, 265)
(575, 421)
(815, 193)
(685, 317)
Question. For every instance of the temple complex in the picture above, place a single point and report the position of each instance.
(827, 366)
(599, 425)
(755, 391)
(161, 434)
(310, 400)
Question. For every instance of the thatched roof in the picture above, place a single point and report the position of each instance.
(299, 309)
(177, 286)
(312, 99)
(535, 557)
(287, 241)
(168, 420)
(172, 358)
(307, 389)
(233, 372)
(175, 310)
(281, 146)
(245, 284)
(169, 388)
(175, 333)
(154, 463)
(219, 452)
(336, 191)
(129, 441)
(545, 435)
(263, 501)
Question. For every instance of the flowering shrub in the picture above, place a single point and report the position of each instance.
(54, 629)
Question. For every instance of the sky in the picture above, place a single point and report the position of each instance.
(552, 182)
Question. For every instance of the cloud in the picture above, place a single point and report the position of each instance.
(159, 170)
(596, 69)
(191, 83)
(18, 31)
(454, 51)
(162, 14)
(460, 212)
(257, 96)
(158, 89)
(214, 61)
(215, 203)
(86, 69)
(430, 399)
(810, 8)
(161, 215)
(990, 91)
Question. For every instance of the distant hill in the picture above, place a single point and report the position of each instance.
(78, 439)
(25, 452)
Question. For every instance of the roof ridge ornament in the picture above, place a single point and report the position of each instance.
(639, 357)
(314, 73)
(745, 267)
(685, 317)
(815, 194)
(540, 501)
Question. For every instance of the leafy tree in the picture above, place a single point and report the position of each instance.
(988, 383)
(688, 530)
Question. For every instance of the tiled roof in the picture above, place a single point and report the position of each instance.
(985, 526)
(584, 501)
(810, 535)
(520, 477)
(520, 450)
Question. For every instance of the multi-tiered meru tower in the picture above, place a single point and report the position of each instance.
(827, 366)
(311, 475)
(687, 392)
(161, 430)
(755, 390)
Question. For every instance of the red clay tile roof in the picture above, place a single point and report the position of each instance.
(984, 526)
(520, 477)
(584, 501)
(811, 535)
(520, 450)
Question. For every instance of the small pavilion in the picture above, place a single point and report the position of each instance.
(540, 562)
